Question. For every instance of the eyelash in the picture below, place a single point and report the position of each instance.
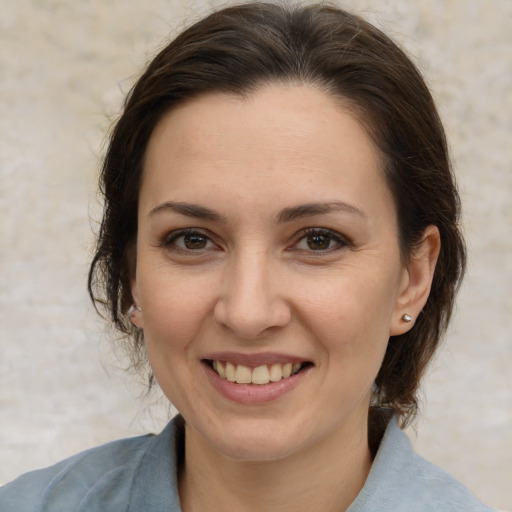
(169, 242)
(339, 241)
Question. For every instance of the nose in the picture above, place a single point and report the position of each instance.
(251, 301)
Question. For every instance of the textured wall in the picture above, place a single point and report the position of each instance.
(64, 66)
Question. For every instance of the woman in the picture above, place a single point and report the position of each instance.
(280, 238)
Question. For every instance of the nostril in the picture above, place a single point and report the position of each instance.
(251, 320)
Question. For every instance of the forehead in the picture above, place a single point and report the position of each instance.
(281, 138)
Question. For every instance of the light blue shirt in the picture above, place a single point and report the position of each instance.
(140, 475)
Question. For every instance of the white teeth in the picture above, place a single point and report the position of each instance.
(243, 374)
(259, 375)
(230, 372)
(220, 370)
(276, 372)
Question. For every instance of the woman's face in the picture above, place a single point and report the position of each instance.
(267, 243)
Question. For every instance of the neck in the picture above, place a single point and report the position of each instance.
(326, 476)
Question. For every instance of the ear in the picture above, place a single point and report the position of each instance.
(416, 281)
(135, 311)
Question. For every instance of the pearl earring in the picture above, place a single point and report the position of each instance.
(407, 318)
(134, 308)
(131, 314)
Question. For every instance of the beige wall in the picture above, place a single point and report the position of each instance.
(64, 66)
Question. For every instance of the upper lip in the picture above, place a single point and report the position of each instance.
(253, 360)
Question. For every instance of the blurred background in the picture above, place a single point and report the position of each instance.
(65, 67)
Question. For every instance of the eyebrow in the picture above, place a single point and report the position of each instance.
(189, 210)
(288, 214)
(311, 209)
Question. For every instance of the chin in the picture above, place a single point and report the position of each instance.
(257, 439)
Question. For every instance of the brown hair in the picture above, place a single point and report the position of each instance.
(240, 48)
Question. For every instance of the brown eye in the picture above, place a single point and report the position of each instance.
(319, 242)
(195, 242)
(188, 241)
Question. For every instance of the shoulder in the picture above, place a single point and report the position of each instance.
(440, 490)
(402, 481)
(64, 485)
(97, 479)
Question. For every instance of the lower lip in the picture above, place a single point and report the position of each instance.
(254, 394)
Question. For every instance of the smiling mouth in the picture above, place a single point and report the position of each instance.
(259, 375)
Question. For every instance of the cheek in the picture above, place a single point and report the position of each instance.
(174, 308)
(351, 315)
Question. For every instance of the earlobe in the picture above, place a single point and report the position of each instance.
(135, 316)
(416, 282)
(135, 311)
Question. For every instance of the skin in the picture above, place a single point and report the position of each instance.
(255, 282)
